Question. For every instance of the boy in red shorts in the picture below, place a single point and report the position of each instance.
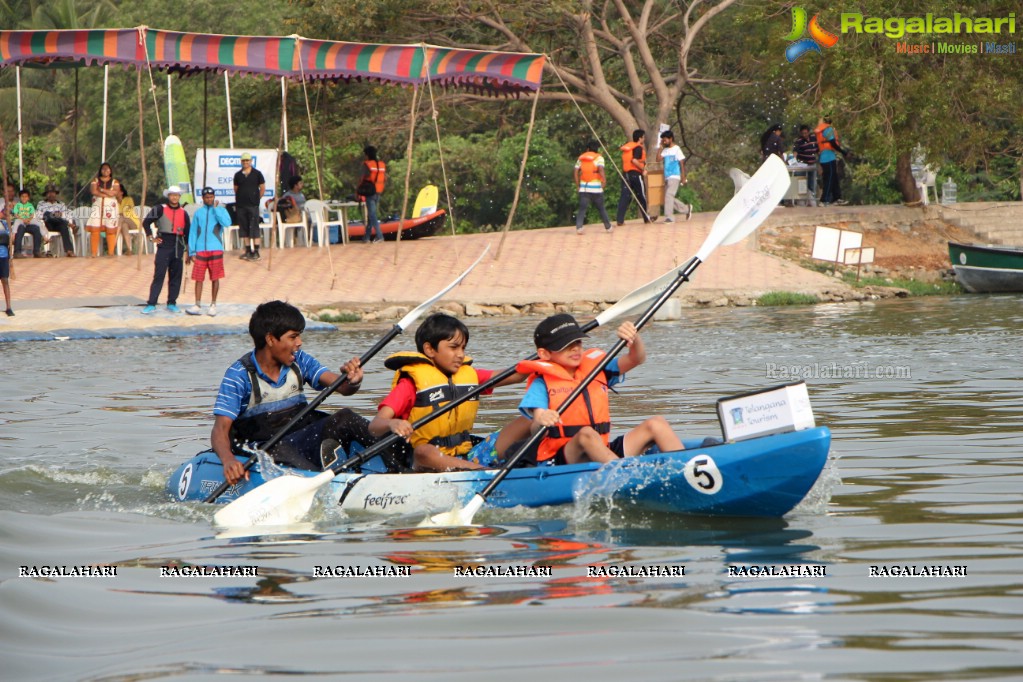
(206, 248)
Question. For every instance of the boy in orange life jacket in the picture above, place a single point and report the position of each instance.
(429, 379)
(582, 432)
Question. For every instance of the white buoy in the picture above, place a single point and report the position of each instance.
(671, 310)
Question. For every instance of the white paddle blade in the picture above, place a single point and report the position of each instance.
(278, 502)
(459, 516)
(638, 299)
(418, 310)
(750, 207)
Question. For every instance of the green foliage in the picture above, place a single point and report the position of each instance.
(776, 298)
(914, 286)
(340, 318)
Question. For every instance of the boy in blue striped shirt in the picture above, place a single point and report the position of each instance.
(264, 389)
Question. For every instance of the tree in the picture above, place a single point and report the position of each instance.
(633, 60)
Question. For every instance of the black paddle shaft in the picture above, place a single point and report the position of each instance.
(683, 276)
(372, 451)
(312, 405)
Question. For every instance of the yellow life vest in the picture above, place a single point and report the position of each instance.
(434, 389)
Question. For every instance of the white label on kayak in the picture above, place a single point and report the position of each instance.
(703, 474)
(186, 479)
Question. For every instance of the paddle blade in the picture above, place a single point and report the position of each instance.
(459, 516)
(750, 207)
(278, 502)
(638, 299)
(425, 305)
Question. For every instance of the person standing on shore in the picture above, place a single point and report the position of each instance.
(168, 225)
(806, 151)
(371, 186)
(249, 186)
(5, 262)
(633, 165)
(827, 142)
(590, 180)
(206, 247)
(105, 216)
(674, 175)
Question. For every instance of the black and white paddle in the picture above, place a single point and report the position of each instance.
(259, 503)
(740, 216)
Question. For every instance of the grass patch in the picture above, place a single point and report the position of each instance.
(913, 286)
(341, 318)
(786, 298)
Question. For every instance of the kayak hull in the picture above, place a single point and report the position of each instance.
(765, 477)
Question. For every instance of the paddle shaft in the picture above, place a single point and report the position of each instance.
(372, 451)
(312, 405)
(682, 277)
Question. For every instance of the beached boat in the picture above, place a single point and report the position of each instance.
(987, 269)
(414, 228)
(765, 476)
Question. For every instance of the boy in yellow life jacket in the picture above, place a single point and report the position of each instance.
(427, 380)
(582, 432)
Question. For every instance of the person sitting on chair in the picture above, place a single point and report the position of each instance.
(54, 216)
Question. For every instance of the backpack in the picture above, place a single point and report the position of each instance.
(287, 168)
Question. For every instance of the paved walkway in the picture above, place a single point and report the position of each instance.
(531, 266)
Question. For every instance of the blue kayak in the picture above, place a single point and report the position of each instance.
(765, 476)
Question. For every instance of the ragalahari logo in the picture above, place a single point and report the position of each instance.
(818, 36)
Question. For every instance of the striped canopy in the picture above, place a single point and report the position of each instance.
(277, 56)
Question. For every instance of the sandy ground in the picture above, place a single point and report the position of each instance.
(523, 267)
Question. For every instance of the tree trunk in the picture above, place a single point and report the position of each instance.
(904, 178)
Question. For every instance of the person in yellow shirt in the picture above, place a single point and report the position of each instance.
(129, 218)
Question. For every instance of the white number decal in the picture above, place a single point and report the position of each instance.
(703, 474)
(186, 479)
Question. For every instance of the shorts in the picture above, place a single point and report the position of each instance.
(528, 459)
(5, 267)
(248, 221)
(213, 261)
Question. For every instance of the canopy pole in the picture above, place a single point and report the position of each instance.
(106, 97)
(21, 144)
(319, 176)
(408, 173)
(522, 174)
(142, 160)
(205, 124)
(170, 108)
(274, 222)
(152, 82)
(440, 150)
(284, 113)
(230, 125)
(74, 148)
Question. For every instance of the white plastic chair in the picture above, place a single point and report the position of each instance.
(317, 211)
(928, 178)
(283, 229)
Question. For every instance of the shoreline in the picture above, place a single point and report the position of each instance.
(526, 272)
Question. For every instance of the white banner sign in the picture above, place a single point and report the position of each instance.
(830, 243)
(220, 166)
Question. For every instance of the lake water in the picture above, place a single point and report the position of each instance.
(923, 398)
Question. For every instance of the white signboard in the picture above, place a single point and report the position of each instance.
(221, 165)
(859, 256)
(776, 410)
(830, 243)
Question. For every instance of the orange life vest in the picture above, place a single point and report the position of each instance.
(588, 167)
(589, 409)
(628, 157)
(376, 172)
(822, 144)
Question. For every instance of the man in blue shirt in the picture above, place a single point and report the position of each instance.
(264, 389)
